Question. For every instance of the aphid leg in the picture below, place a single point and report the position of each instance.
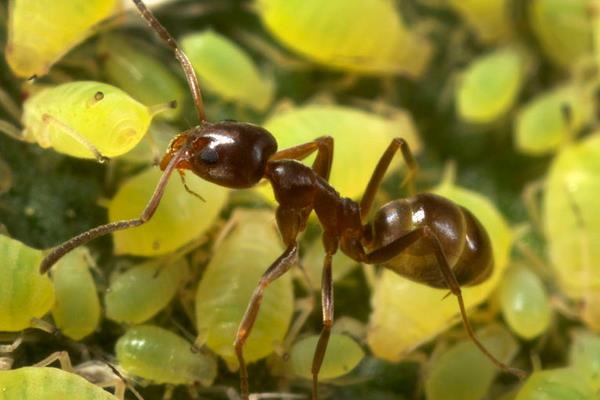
(61, 356)
(454, 286)
(322, 164)
(278, 268)
(187, 188)
(384, 162)
(531, 194)
(93, 233)
(327, 306)
(11, 131)
(49, 120)
(188, 70)
(9, 348)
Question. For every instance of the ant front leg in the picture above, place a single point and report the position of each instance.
(382, 166)
(322, 164)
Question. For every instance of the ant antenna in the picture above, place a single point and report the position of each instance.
(59, 251)
(183, 59)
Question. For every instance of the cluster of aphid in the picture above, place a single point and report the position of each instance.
(205, 280)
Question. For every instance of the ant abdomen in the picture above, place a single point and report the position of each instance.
(463, 239)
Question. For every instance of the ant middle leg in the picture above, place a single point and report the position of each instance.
(382, 166)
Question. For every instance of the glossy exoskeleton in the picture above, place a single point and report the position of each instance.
(425, 238)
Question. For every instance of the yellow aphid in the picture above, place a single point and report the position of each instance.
(85, 119)
(419, 309)
(24, 293)
(40, 32)
(360, 138)
(180, 217)
(226, 69)
(364, 36)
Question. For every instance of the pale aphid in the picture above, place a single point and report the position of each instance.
(584, 353)
(161, 356)
(490, 85)
(400, 302)
(85, 119)
(138, 294)
(76, 310)
(250, 244)
(367, 37)
(343, 354)
(551, 118)
(225, 69)
(571, 224)
(557, 384)
(40, 32)
(24, 293)
(180, 218)
(141, 75)
(524, 302)
(461, 372)
(360, 138)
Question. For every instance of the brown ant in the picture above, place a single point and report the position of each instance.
(425, 238)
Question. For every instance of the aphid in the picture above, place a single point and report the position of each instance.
(171, 227)
(368, 37)
(562, 28)
(348, 126)
(404, 237)
(141, 75)
(142, 291)
(524, 301)
(343, 354)
(542, 126)
(400, 302)
(585, 355)
(489, 19)
(41, 382)
(85, 119)
(76, 310)
(462, 372)
(490, 85)
(572, 222)
(41, 32)
(160, 356)
(251, 241)
(24, 294)
(227, 70)
(557, 384)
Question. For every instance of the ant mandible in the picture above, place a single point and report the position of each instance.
(425, 238)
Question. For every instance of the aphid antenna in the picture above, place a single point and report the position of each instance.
(186, 65)
(58, 252)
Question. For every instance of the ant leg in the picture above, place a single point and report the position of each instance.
(184, 61)
(327, 305)
(322, 164)
(384, 162)
(456, 290)
(49, 120)
(278, 268)
(93, 233)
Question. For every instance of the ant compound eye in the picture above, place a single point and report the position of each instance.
(209, 155)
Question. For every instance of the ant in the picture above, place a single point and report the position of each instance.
(425, 238)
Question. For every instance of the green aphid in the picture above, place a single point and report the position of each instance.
(343, 354)
(138, 294)
(180, 218)
(76, 310)
(462, 372)
(162, 357)
(40, 32)
(24, 293)
(557, 384)
(225, 69)
(249, 245)
(85, 119)
(490, 85)
(525, 302)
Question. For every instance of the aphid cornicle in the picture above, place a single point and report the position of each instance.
(426, 237)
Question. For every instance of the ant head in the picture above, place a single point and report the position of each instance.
(230, 154)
